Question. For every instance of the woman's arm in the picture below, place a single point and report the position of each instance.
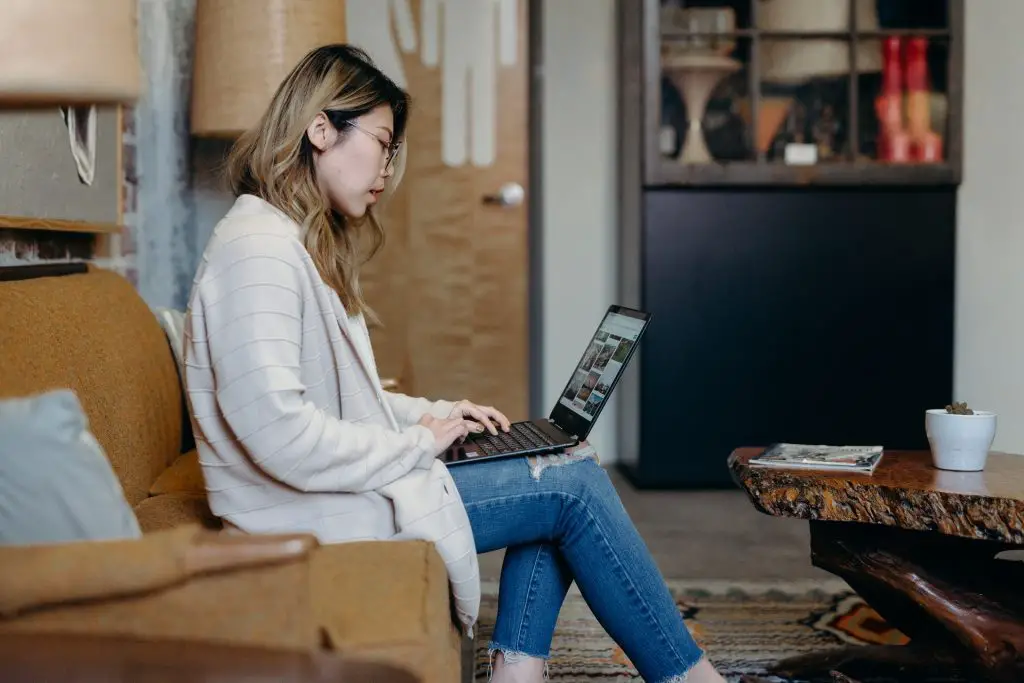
(250, 301)
(408, 409)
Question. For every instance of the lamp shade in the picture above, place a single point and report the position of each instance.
(800, 59)
(68, 52)
(245, 48)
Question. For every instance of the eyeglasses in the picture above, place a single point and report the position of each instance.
(388, 149)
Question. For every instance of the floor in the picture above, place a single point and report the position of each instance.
(709, 535)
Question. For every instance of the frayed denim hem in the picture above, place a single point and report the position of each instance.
(511, 657)
(683, 677)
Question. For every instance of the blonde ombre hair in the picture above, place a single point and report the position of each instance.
(274, 160)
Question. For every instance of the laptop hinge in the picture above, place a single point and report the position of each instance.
(564, 430)
(559, 427)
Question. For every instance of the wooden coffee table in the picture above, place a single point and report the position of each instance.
(918, 544)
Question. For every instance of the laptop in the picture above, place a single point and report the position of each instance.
(580, 403)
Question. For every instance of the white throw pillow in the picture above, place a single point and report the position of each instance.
(56, 484)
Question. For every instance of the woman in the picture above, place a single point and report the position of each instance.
(295, 433)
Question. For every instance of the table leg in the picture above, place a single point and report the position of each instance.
(961, 608)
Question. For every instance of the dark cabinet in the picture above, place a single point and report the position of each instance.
(802, 315)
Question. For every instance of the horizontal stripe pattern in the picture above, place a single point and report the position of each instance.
(267, 392)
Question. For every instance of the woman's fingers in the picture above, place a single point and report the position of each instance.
(477, 413)
(498, 417)
(454, 429)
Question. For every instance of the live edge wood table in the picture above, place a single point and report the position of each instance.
(919, 545)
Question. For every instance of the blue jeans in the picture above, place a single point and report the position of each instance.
(570, 525)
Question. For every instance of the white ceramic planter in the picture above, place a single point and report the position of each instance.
(960, 442)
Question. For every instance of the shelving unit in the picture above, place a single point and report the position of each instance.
(810, 303)
(644, 40)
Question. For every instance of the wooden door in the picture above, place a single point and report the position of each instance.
(451, 284)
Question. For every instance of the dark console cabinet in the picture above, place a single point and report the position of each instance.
(807, 315)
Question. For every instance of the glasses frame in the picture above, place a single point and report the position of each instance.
(388, 149)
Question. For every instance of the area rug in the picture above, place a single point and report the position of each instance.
(744, 627)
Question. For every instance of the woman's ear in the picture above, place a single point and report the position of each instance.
(321, 133)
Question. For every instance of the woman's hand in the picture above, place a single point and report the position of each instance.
(484, 415)
(446, 432)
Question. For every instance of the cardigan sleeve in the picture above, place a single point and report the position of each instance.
(252, 304)
(408, 410)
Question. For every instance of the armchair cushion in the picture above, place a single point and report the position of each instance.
(183, 476)
(56, 484)
(169, 510)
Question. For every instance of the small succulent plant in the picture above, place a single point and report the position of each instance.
(959, 409)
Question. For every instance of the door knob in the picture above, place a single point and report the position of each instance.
(509, 194)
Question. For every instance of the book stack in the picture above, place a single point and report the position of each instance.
(859, 459)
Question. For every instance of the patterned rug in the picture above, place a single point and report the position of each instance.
(744, 627)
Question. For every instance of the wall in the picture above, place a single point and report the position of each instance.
(579, 133)
(166, 234)
(989, 365)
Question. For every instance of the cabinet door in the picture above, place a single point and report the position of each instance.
(794, 315)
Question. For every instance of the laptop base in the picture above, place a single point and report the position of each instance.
(485, 446)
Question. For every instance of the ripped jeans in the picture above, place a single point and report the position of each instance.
(568, 524)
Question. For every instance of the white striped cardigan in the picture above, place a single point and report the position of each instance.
(293, 429)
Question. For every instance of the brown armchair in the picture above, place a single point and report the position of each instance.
(90, 332)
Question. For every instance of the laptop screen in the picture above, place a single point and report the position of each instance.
(609, 351)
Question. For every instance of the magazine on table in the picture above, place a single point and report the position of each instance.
(862, 459)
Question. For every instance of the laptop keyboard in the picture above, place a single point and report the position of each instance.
(521, 436)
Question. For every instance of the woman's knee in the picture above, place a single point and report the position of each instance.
(583, 479)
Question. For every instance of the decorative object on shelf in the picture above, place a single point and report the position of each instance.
(925, 144)
(55, 52)
(893, 140)
(705, 30)
(771, 113)
(904, 104)
(797, 60)
(695, 57)
(791, 66)
(244, 50)
(696, 77)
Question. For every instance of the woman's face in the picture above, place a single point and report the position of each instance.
(352, 172)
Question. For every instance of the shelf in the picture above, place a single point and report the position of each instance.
(750, 173)
(57, 225)
(782, 85)
(669, 35)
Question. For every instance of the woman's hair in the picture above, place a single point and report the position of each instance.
(274, 160)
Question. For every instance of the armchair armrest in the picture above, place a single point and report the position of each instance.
(185, 584)
(37, 576)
